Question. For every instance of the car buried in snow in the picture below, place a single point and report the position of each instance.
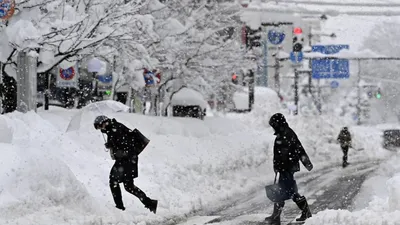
(188, 103)
(391, 139)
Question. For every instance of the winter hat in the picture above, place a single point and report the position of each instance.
(99, 120)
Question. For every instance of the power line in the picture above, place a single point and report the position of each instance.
(382, 79)
(338, 3)
(332, 13)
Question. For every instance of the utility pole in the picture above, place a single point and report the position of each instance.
(251, 89)
(1, 89)
(358, 93)
(47, 92)
(265, 58)
(26, 82)
(276, 76)
(296, 91)
(264, 37)
(114, 81)
(310, 62)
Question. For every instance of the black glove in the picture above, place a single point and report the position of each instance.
(107, 145)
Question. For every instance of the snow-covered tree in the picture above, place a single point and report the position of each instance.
(61, 30)
(194, 42)
(197, 44)
(350, 105)
(69, 30)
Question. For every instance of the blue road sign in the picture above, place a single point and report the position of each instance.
(296, 57)
(105, 78)
(276, 37)
(330, 68)
(334, 84)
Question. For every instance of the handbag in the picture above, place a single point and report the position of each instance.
(140, 141)
(279, 192)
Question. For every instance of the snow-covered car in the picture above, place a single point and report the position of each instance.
(391, 138)
(188, 103)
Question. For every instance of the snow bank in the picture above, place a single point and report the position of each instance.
(264, 98)
(53, 177)
(187, 96)
(95, 109)
(5, 131)
(35, 178)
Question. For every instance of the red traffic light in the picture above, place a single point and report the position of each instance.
(297, 30)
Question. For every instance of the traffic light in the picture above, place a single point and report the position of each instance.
(234, 78)
(253, 38)
(378, 94)
(298, 39)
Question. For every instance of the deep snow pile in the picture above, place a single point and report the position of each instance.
(50, 176)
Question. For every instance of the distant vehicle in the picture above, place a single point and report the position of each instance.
(188, 103)
(391, 138)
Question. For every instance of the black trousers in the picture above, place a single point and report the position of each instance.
(123, 172)
(286, 180)
(345, 150)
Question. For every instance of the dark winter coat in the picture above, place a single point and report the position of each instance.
(288, 150)
(344, 138)
(121, 142)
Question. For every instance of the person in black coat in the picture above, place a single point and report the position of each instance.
(288, 151)
(124, 149)
(344, 139)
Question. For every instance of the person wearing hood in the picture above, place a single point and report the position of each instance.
(344, 139)
(124, 146)
(288, 151)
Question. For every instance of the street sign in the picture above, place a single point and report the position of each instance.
(334, 84)
(330, 68)
(67, 77)
(276, 37)
(296, 57)
(105, 82)
(7, 9)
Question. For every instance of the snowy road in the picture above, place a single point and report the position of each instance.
(326, 188)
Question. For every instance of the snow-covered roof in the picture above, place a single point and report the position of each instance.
(187, 96)
(283, 55)
(254, 17)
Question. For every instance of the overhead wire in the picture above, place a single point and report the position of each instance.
(354, 4)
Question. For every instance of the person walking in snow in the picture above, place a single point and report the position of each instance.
(125, 145)
(288, 151)
(344, 139)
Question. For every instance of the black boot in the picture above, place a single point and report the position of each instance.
(150, 204)
(275, 218)
(121, 207)
(305, 209)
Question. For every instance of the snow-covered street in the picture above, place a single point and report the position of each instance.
(328, 188)
(195, 112)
